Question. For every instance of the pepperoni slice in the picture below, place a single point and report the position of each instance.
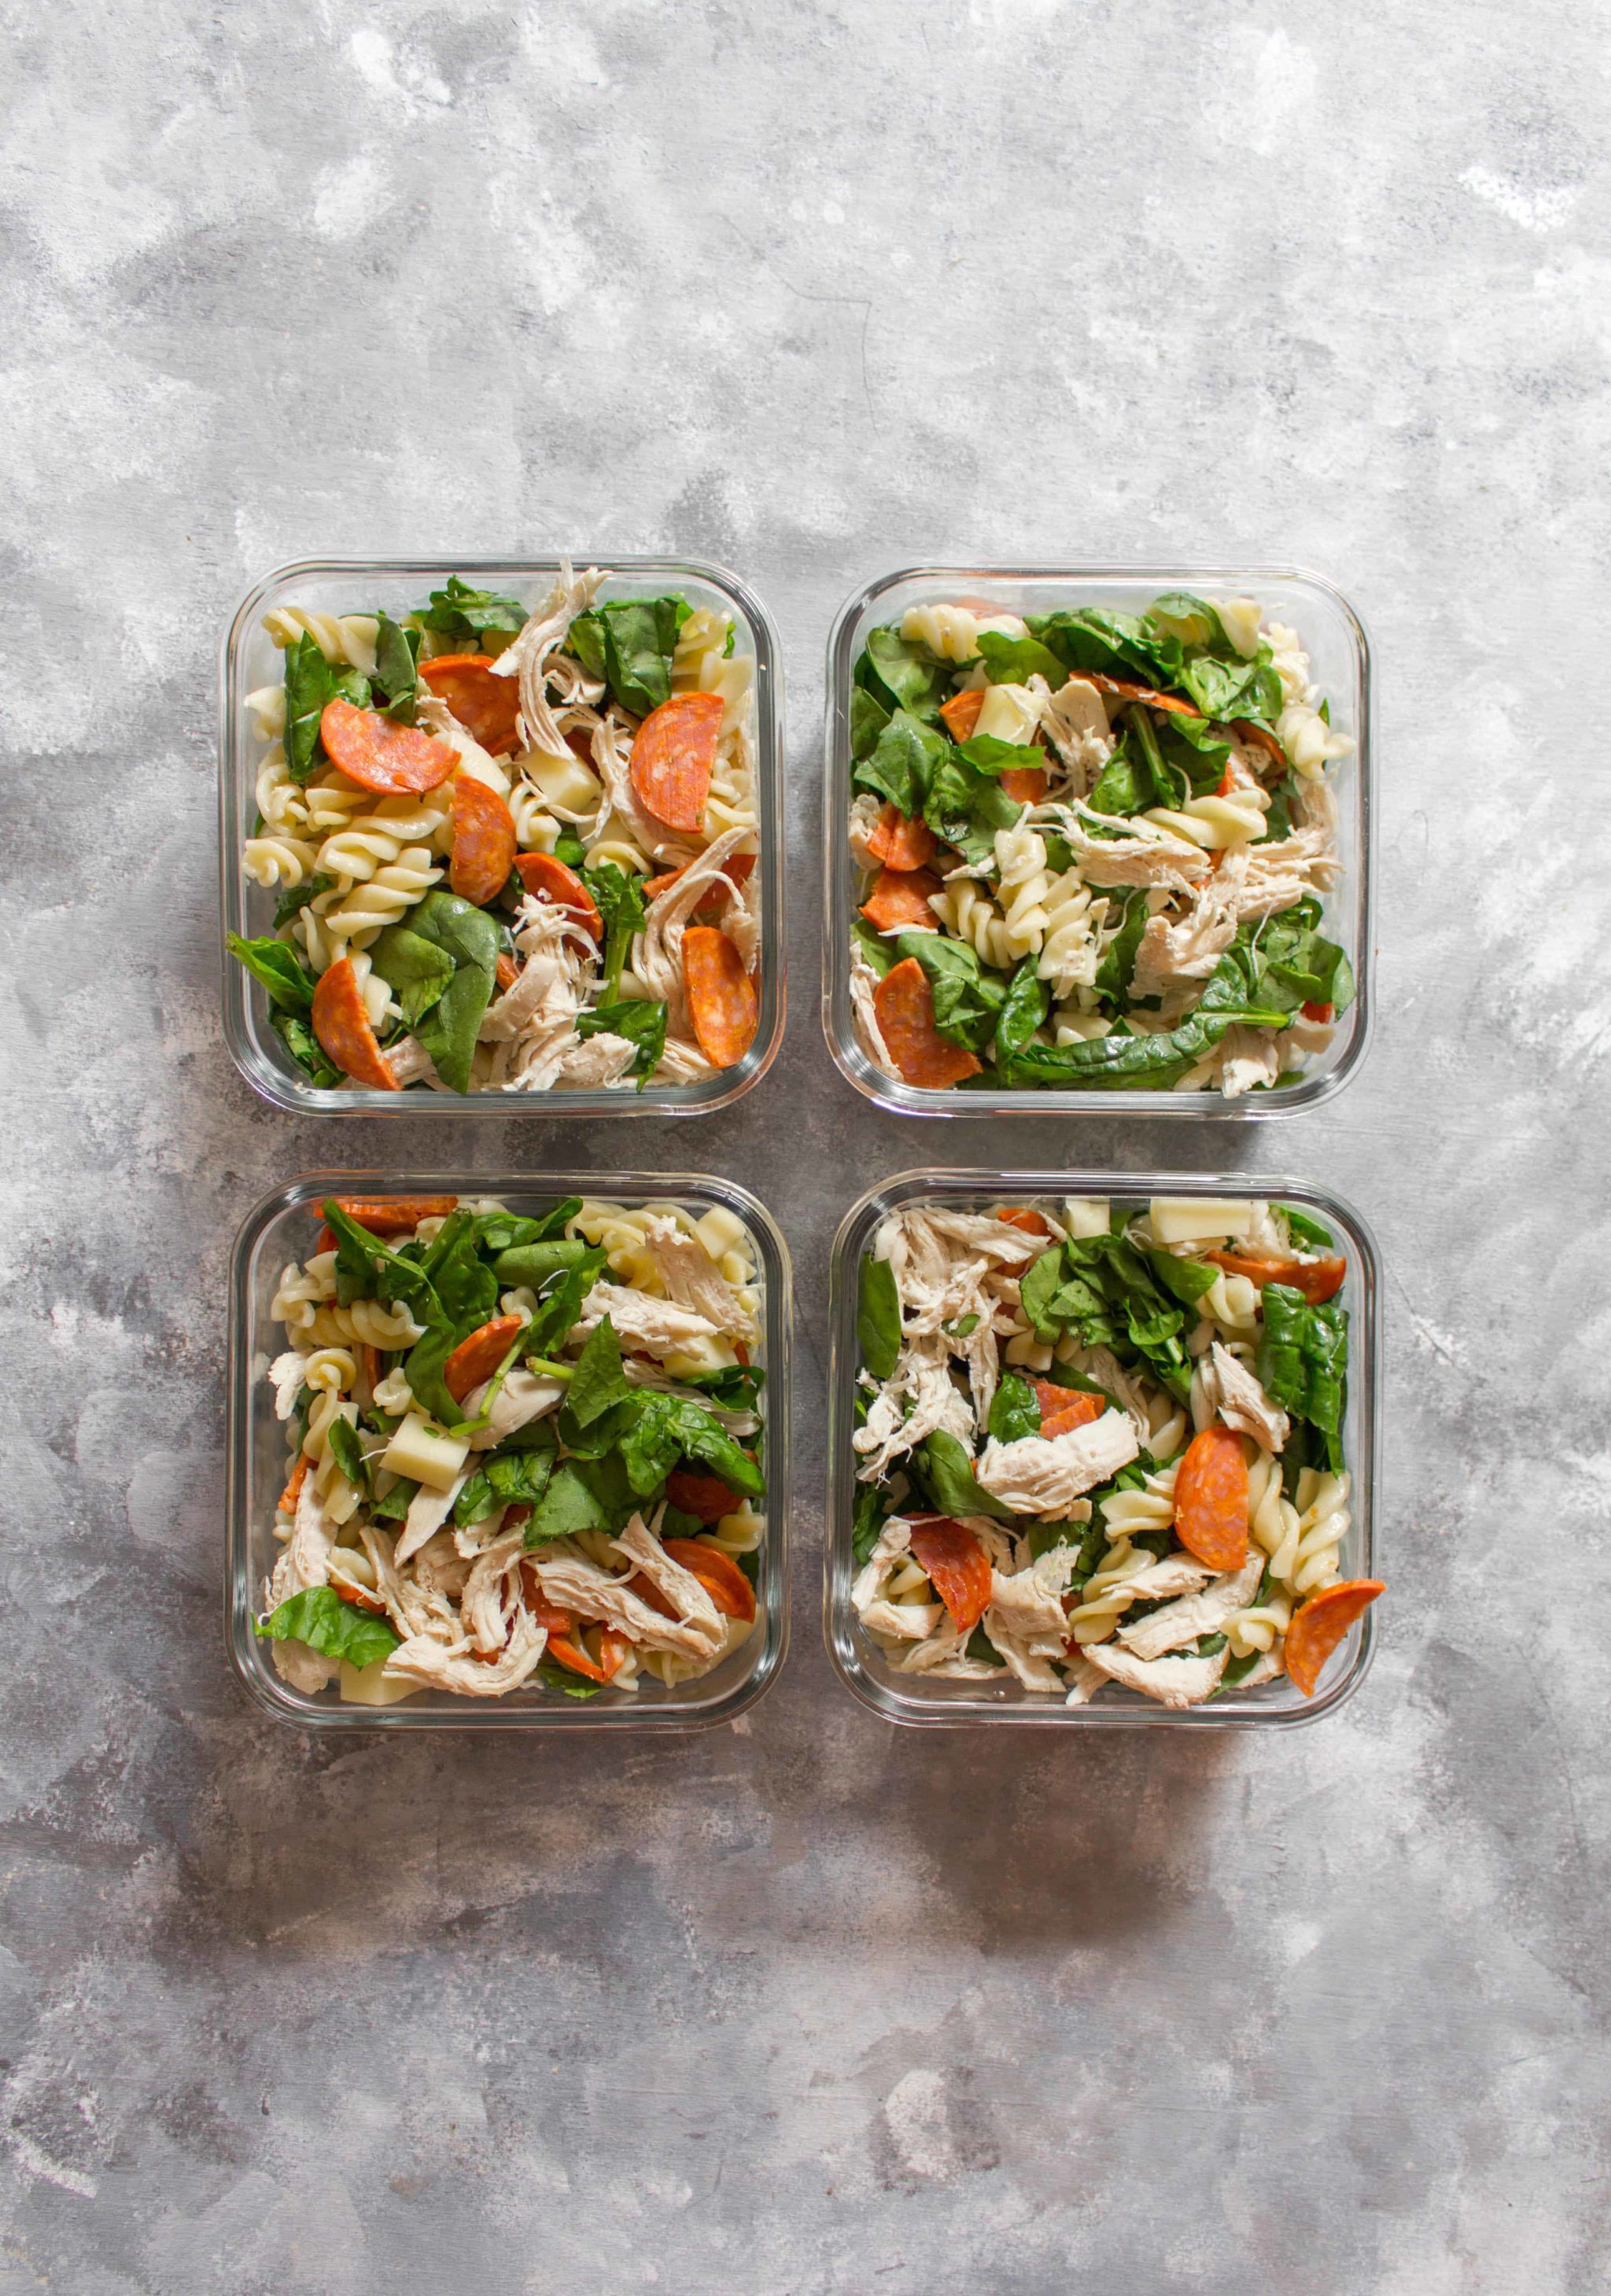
(341, 1026)
(1133, 693)
(674, 757)
(505, 972)
(712, 903)
(544, 1613)
(904, 1004)
(900, 899)
(1024, 785)
(393, 1216)
(959, 1567)
(1210, 1499)
(961, 713)
(720, 1577)
(552, 882)
(721, 996)
(477, 1357)
(1260, 738)
(1019, 1216)
(483, 841)
(901, 843)
(1319, 1625)
(1064, 1408)
(704, 1496)
(392, 760)
(646, 1589)
(484, 705)
(1316, 1279)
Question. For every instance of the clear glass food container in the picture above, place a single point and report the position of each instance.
(859, 1662)
(282, 1228)
(1340, 655)
(251, 660)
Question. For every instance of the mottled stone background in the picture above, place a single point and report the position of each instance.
(805, 2005)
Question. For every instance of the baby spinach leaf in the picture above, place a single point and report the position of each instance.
(466, 934)
(500, 1232)
(415, 969)
(980, 1646)
(878, 1317)
(394, 1503)
(598, 1381)
(1116, 644)
(611, 1489)
(962, 796)
(967, 996)
(1302, 1361)
(534, 1263)
(873, 1504)
(318, 1617)
(868, 719)
(1187, 1279)
(1202, 625)
(1015, 1412)
(879, 953)
(640, 1021)
(423, 1368)
(987, 753)
(618, 895)
(1113, 974)
(282, 971)
(1192, 747)
(899, 673)
(1219, 688)
(1124, 785)
(1171, 785)
(630, 641)
(668, 1427)
(347, 1453)
(568, 1504)
(395, 669)
(460, 611)
(304, 1048)
(509, 1479)
(554, 1676)
(310, 685)
(1013, 661)
(1022, 1010)
(734, 1387)
(1305, 1230)
(948, 1471)
(902, 763)
(1039, 1287)
(563, 1303)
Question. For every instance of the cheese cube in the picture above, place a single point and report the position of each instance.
(1011, 713)
(1201, 1220)
(424, 1454)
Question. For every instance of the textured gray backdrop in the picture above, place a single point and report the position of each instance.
(804, 2004)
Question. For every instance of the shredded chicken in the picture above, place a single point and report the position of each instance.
(917, 1398)
(1145, 855)
(657, 952)
(457, 1666)
(1184, 949)
(1175, 1682)
(693, 1280)
(303, 1562)
(1248, 1057)
(660, 1325)
(864, 988)
(527, 657)
(1205, 1612)
(1234, 1394)
(1042, 1476)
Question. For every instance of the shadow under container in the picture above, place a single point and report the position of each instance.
(859, 1664)
(1339, 652)
(252, 661)
(282, 1229)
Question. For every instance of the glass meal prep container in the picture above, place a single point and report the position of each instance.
(1339, 652)
(250, 661)
(282, 1229)
(858, 1659)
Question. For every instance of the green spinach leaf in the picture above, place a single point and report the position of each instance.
(282, 971)
(878, 1317)
(1014, 1411)
(318, 1617)
(947, 1472)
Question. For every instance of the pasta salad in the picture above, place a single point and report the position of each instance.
(1093, 849)
(525, 1450)
(1103, 1443)
(510, 851)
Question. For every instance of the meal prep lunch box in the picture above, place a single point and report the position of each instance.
(250, 661)
(283, 1229)
(918, 1699)
(1339, 659)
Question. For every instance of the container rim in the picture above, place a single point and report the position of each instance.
(240, 998)
(839, 1632)
(300, 1711)
(901, 1099)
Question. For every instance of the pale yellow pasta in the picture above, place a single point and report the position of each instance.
(347, 639)
(364, 913)
(338, 1496)
(279, 860)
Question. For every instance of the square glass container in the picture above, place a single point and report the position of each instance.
(1340, 655)
(281, 1228)
(251, 660)
(857, 1658)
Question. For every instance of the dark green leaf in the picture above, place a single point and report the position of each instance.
(980, 1646)
(449, 1031)
(1114, 973)
(879, 953)
(1014, 1411)
(1041, 1281)
(1013, 661)
(868, 719)
(318, 1617)
(567, 1505)
(1022, 1010)
(948, 1471)
(417, 971)
(1124, 785)
(348, 1452)
(878, 1317)
(279, 968)
(618, 895)
(396, 1503)
(1305, 1230)
(599, 1379)
(1187, 1279)
(630, 642)
(903, 762)
(873, 1504)
(533, 1264)
(396, 670)
(562, 1305)
(897, 673)
(554, 1676)
(639, 1021)
(967, 996)
(460, 611)
(304, 1048)
(297, 897)
(310, 685)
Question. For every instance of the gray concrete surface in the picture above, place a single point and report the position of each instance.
(807, 2005)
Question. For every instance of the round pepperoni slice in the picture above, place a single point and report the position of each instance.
(1064, 1408)
(483, 841)
(484, 705)
(552, 882)
(904, 1004)
(959, 1567)
(1210, 1499)
(674, 757)
(704, 1496)
(900, 844)
(392, 760)
(722, 997)
(720, 1577)
(341, 1026)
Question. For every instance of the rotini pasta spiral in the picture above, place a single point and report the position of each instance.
(375, 839)
(279, 860)
(366, 1324)
(330, 1370)
(300, 1291)
(283, 807)
(1323, 1524)
(968, 912)
(381, 899)
(340, 638)
(1070, 949)
(339, 1498)
(1022, 887)
(1215, 822)
(1151, 1507)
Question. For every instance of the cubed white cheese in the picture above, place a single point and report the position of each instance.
(424, 1454)
(367, 1686)
(1086, 1215)
(1201, 1220)
(1010, 713)
(1241, 618)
